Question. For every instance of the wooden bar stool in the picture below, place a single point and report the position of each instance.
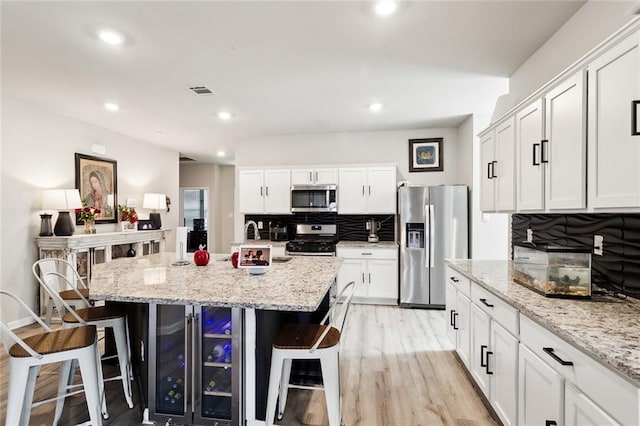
(100, 316)
(73, 290)
(27, 355)
(310, 341)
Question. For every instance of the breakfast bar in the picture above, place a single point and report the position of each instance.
(292, 285)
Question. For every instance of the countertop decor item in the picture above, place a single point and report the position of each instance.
(155, 202)
(201, 257)
(96, 179)
(128, 218)
(62, 200)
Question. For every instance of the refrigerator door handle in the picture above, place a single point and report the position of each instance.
(427, 236)
(431, 221)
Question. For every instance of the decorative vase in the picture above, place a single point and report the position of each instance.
(131, 252)
(89, 227)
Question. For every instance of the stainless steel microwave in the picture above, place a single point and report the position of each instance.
(314, 198)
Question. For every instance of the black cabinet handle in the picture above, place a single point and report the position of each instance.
(482, 361)
(451, 317)
(543, 151)
(486, 367)
(552, 354)
(533, 162)
(489, 170)
(550, 423)
(493, 169)
(484, 301)
(635, 120)
(454, 279)
(455, 323)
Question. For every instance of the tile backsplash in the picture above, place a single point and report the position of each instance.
(618, 269)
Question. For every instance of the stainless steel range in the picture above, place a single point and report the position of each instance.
(313, 240)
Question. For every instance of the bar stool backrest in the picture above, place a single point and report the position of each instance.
(337, 314)
(9, 338)
(64, 268)
(50, 279)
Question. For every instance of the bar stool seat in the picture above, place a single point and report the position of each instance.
(97, 313)
(27, 355)
(310, 341)
(73, 294)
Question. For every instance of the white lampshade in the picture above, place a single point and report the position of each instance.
(61, 199)
(154, 201)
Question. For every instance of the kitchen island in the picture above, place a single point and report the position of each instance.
(296, 284)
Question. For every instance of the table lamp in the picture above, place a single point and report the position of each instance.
(155, 202)
(62, 200)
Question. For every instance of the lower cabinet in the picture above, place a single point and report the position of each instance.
(541, 392)
(375, 271)
(579, 410)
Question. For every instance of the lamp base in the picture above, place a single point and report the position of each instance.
(64, 227)
(155, 219)
(45, 225)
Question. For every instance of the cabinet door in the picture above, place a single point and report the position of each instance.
(566, 149)
(480, 336)
(450, 309)
(463, 342)
(277, 191)
(251, 191)
(381, 190)
(351, 192)
(504, 381)
(382, 276)
(614, 176)
(302, 176)
(487, 192)
(581, 411)
(504, 171)
(531, 158)
(325, 176)
(540, 391)
(353, 270)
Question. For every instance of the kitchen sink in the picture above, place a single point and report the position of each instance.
(280, 259)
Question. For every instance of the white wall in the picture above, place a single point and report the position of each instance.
(38, 149)
(588, 27)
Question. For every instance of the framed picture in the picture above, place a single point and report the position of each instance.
(145, 225)
(425, 155)
(96, 178)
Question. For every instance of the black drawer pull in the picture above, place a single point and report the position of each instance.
(556, 357)
(454, 279)
(550, 423)
(482, 362)
(455, 324)
(486, 367)
(488, 305)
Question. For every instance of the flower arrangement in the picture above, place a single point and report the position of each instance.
(127, 214)
(87, 214)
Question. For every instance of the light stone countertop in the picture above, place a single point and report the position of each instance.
(297, 285)
(606, 328)
(366, 244)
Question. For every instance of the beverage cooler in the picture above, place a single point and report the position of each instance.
(195, 365)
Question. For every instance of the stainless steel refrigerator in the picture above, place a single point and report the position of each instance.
(432, 226)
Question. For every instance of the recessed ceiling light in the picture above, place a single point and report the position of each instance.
(221, 153)
(110, 106)
(375, 107)
(224, 115)
(111, 37)
(385, 7)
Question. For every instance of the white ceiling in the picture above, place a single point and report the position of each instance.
(280, 67)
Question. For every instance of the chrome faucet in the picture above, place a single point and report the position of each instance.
(256, 233)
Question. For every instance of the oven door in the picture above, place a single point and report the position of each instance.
(314, 198)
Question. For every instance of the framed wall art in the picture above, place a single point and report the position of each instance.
(425, 155)
(96, 178)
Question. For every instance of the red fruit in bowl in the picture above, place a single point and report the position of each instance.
(234, 259)
(201, 257)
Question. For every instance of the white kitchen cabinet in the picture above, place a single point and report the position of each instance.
(503, 363)
(582, 411)
(541, 391)
(375, 271)
(531, 157)
(461, 324)
(497, 156)
(314, 176)
(363, 190)
(480, 324)
(614, 152)
(450, 309)
(264, 191)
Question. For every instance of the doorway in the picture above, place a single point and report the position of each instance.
(194, 208)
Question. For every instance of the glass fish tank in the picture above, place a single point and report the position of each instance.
(553, 271)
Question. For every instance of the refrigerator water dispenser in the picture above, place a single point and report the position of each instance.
(415, 235)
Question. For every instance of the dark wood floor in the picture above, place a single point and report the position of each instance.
(398, 368)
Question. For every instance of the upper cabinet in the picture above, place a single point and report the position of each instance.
(364, 190)
(265, 191)
(314, 176)
(497, 156)
(614, 149)
(531, 157)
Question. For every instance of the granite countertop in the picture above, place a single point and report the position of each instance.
(359, 244)
(299, 284)
(606, 328)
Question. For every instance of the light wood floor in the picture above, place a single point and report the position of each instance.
(398, 368)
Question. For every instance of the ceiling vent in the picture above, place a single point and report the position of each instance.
(183, 158)
(200, 90)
